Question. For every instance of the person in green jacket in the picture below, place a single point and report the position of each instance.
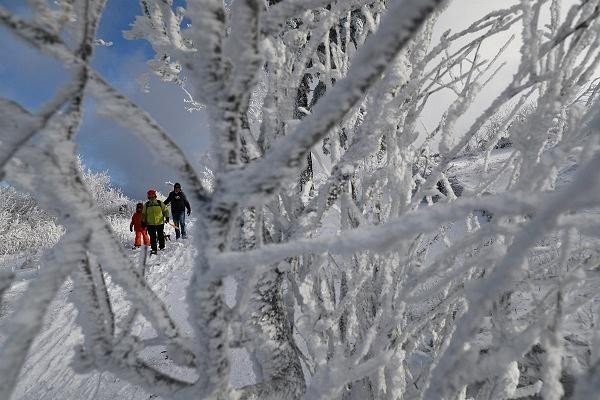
(154, 215)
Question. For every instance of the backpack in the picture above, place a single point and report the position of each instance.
(152, 218)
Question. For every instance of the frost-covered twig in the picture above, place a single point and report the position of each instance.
(507, 272)
(423, 220)
(27, 319)
(279, 166)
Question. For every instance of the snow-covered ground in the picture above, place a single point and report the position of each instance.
(47, 373)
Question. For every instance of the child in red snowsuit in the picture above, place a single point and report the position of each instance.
(140, 231)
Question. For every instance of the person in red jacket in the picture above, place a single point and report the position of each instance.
(140, 231)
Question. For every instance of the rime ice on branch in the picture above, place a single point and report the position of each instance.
(375, 258)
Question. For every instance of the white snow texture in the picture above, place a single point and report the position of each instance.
(338, 247)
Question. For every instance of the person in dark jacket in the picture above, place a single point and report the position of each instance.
(154, 215)
(179, 204)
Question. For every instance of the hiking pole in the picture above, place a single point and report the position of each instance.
(174, 226)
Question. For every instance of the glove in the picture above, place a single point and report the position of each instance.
(189, 212)
(130, 228)
(167, 219)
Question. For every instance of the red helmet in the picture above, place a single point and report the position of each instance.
(151, 193)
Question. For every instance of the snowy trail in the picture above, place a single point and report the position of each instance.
(47, 373)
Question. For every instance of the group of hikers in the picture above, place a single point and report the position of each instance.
(149, 219)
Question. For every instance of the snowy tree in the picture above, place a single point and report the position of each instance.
(24, 224)
(351, 281)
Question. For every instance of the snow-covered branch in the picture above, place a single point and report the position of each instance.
(387, 234)
(281, 165)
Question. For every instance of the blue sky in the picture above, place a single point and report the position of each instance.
(30, 78)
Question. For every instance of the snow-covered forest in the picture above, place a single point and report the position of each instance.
(345, 243)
